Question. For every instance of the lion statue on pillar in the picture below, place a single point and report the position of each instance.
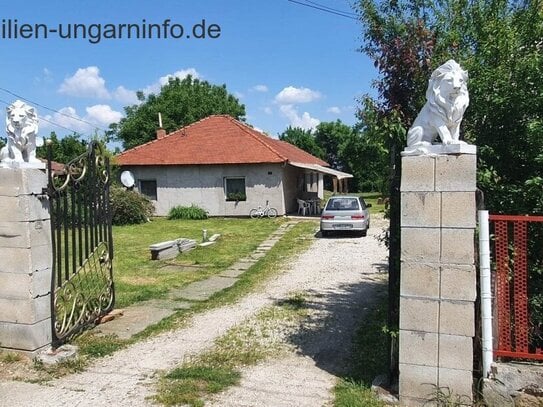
(446, 101)
(22, 134)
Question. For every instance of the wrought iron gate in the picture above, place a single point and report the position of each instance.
(82, 284)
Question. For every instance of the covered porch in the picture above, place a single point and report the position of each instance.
(310, 185)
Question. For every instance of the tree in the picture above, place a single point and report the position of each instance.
(180, 102)
(65, 149)
(500, 44)
(332, 137)
(303, 139)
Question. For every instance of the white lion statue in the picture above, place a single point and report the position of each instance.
(22, 138)
(447, 99)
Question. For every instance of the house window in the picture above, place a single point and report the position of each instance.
(234, 189)
(148, 188)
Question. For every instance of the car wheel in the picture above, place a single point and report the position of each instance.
(325, 233)
(364, 232)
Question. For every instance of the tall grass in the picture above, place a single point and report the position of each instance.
(192, 212)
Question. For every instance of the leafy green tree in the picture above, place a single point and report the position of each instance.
(65, 149)
(303, 139)
(500, 43)
(180, 102)
(332, 137)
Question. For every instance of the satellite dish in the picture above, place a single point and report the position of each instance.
(127, 179)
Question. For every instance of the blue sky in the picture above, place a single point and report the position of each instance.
(289, 64)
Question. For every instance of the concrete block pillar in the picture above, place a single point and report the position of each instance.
(26, 261)
(438, 281)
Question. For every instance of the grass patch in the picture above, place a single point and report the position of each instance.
(257, 339)
(369, 197)
(60, 369)
(369, 359)
(354, 394)
(138, 278)
(99, 346)
(377, 206)
(296, 301)
(10, 357)
(188, 384)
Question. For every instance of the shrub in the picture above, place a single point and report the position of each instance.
(187, 212)
(129, 207)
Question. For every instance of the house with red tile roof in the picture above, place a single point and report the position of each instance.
(225, 167)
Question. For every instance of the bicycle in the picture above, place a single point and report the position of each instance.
(261, 212)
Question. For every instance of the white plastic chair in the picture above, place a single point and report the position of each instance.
(303, 206)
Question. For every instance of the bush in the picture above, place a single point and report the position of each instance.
(187, 212)
(129, 207)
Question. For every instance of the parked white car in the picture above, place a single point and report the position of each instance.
(345, 213)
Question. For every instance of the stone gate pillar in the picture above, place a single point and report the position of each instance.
(438, 283)
(25, 260)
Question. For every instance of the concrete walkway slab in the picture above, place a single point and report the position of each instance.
(232, 273)
(244, 264)
(168, 304)
(202, 290)
(134, 320)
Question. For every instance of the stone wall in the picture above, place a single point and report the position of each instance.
(438, 279)
(25, 265)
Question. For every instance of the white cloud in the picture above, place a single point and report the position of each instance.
(102, 115)
(86, 82)
(98, 116)
(267, 110)
(291, 95)
(126, 96)
(305, 121)
(334, 110)
(239, 95)
(163, 80)
(260, 88)
(65, 117)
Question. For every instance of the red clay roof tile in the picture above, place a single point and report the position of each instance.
(218, 139)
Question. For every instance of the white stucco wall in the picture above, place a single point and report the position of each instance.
(203, 185)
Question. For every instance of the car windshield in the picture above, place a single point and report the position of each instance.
(342, 204)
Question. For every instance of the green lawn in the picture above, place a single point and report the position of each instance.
(370, 197)
(138, 278)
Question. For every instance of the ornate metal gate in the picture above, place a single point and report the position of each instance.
(82, 283)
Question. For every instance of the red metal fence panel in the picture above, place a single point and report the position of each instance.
(517, 248)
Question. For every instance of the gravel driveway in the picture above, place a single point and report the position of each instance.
(343, 273)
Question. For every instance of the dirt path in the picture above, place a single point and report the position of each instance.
(343, 273)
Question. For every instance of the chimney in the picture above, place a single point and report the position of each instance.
(160, 133)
